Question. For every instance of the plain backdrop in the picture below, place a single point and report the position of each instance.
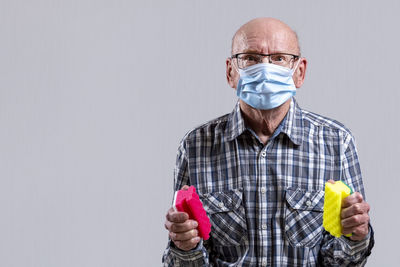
(95, 96)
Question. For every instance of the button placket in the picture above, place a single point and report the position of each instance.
(264, 262)
(262, 219)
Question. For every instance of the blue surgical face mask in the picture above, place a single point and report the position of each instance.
(265, 85)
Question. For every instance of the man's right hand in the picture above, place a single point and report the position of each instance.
(182, 231)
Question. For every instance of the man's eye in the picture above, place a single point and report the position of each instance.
(278, 58)
(250, 58)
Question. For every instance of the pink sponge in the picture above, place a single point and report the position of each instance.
(188, 201)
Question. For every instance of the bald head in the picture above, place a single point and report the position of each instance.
(265, 35)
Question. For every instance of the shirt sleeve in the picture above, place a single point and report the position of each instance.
(174, 256)
(344, 251)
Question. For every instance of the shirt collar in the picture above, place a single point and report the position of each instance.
(236, 124)
(292, 124)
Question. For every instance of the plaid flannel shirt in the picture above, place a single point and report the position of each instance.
(265, 202)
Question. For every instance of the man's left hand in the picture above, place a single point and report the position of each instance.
(355, 216)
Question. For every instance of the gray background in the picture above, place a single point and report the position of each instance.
(96, 95)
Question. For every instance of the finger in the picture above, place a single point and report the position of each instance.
(355, 220)
(183, 227)
(168, 225)
(352, 199)
(187, 245)
(358, 233)
(176, 216)
(357, 208)
(347, 231)
(185, 187)
(178, 227)
(331, 181)
(183, 236)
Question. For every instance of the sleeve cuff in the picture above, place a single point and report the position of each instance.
(190, 255)
(356, 247)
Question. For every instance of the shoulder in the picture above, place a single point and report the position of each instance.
(320, 121)
(327, 127)
(215, 128)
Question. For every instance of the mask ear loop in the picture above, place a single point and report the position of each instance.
(234, 66)
(297, 65)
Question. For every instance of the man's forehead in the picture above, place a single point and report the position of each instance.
(266, 43)
(265, 37)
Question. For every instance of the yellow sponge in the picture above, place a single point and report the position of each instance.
(334, 194)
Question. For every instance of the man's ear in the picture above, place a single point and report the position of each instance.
(231, 73)
(300, 73)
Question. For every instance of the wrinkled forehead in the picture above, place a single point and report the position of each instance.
(265, 40)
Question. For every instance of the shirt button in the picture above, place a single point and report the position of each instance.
(264, 226)
(264, 262)
(221, 205)
(263, 190)
(308, 203)
(263, 154)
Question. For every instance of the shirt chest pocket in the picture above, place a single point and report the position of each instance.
(303, 217)
(227, 216)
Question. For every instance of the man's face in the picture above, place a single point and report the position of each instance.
(264, 38)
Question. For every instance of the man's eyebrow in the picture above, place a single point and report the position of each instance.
(251, 50)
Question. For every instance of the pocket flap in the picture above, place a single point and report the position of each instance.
(305, 200)
(224, 201)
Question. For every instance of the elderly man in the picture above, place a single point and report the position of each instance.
(260, 171)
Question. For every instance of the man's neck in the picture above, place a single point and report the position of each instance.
(264, 122)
